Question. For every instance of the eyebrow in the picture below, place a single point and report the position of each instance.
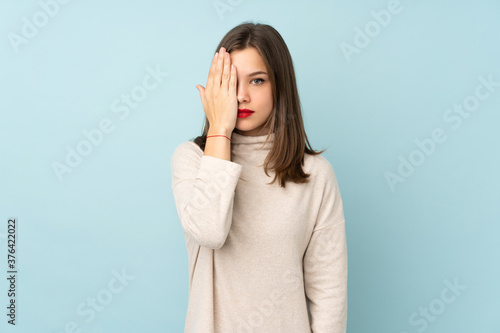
(257, 73)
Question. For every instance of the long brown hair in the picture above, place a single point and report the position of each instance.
(286, 156)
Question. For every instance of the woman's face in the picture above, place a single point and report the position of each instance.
(253, 91)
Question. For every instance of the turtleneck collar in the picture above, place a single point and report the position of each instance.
(247, 139)
(250, 150)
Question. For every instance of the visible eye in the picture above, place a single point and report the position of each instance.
(260, 80)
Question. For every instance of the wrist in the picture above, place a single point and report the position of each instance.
(219, 131)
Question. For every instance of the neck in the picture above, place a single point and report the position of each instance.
(249, 139)
(250, 150)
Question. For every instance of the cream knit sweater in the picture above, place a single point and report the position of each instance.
(261, 258)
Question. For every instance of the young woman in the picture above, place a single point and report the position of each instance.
(264, 256)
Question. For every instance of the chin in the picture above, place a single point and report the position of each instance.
(245, 127)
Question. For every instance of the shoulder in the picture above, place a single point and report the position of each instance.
(186, 152)
(187, 148)
(189, 155)
(319, 166)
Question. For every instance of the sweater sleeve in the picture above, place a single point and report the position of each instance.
(325, 263)
(203, 189)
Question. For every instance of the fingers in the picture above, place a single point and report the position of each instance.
(226, 75)
(218, 71)
(211, 73)
(233, 81)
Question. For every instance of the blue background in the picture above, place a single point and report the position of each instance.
(114, 212)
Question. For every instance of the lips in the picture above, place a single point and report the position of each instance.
(244, 113)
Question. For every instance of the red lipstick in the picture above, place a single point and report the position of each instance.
(243, 113)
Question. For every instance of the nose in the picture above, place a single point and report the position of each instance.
(242, 94)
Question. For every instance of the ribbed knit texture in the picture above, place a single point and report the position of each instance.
(261, 258)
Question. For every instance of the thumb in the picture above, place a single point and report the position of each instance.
(201, 89)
